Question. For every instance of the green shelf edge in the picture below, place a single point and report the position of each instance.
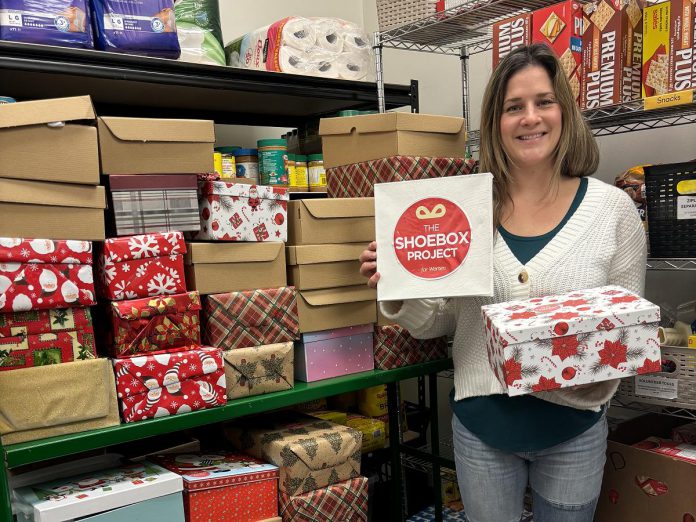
(44, 449)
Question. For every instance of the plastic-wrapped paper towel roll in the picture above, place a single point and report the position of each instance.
(299, 33)
(329, 34)
(294, 61)
(353, 66)
(354, 38)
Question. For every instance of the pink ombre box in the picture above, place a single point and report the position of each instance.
(332, 353)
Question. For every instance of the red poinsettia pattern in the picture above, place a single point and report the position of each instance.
(565, 347)
(613, 353)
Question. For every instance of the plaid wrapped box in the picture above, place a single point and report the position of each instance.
(358, 179)
(142, 266)
(394, 347)
(251, 318)
(310, 453)
(343, 501)
(153, 324)
(158, 385)
(40, 337)
(154, 203)
(40, 274)
(259, 369)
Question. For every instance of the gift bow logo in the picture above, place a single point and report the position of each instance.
(438, 211)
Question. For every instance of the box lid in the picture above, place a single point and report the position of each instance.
(389, 122)
(156, 244)
(225, 188)
(232, 252)
(333, 208)
(46, 111)
(98, 491)
(325, 335)
(45, 251)
(52, 194)
(119, 183)
(332, 296)
(148, 307)
(311, 254)
(160, 130)
(582, 311)
(202, 471)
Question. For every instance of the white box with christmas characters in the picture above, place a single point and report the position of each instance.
(242, 212)
(581, 337)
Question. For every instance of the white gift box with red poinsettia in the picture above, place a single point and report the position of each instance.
(576, 338)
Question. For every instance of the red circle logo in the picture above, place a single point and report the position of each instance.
(432, 238)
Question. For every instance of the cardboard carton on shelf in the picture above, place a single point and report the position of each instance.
(312, 267)
(331, 221)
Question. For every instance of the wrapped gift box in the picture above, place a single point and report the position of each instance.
(394, 347)
(155, 324)
(332, 353)
(142, 266)
(242, 212)
(310, 453)
(358, 179)
(154, 203)
(124, 493)
(259, 369)
(251, 318)
(343, 501)
(576, 338)
(164, 384)
(225, 487)
(44, 273)
(41, 337)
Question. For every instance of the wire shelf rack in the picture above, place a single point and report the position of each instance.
(446, 451)
(641, 407)
(671, 264)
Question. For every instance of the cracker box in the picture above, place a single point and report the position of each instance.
(611, 52)
(225, 486)
(345, 501)
(682, 59)
(576, 338)
(373, 431)
(509, 34)
(656, 49)
(147, 265)
(560, 27)
(40, 274)
(395, 347)
(259, 369)
(310, 453)
(435, 237)
(242, 212)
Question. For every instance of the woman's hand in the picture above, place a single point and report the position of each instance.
(368, 268)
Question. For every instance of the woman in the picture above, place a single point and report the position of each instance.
(558, 231)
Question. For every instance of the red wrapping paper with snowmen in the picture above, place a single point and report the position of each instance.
(142, 266)
(40, 274)
(165, 384)
(241, 212)
(576, 338)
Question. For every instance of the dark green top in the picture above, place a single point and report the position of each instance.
(525, 423)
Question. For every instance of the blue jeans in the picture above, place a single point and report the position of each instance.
(565, 479)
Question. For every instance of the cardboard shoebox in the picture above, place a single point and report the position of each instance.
(394, 347)
(57, 399)
(640, 484)
(143, 491)
(345, 500)
(682, 58)
(612, 45)
(40, 274)
(257, 370)
(225, 486)
(324, 221)
(509, 34)
(155, 146)
(156, 203)
(580, 337)
(51, 210)
(362, 138)
(251, 318)
(310, 453)
(332, 353)
(311, 267)
(338, 307)
(50, 140)
(215, 268)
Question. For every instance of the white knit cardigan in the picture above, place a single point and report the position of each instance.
(602, 243)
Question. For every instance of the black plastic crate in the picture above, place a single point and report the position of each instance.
(669, 236)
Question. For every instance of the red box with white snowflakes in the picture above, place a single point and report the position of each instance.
(163, 384)
(40, 274)
(155, 324)
(241, 212)
(576, 338)
(147, 265)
